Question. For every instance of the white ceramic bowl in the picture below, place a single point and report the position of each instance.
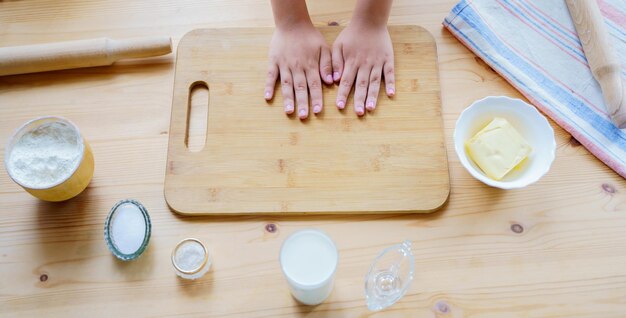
(533, 126)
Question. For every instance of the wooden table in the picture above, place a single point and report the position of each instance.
(556, 248)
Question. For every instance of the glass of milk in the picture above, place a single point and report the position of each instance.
(308, 259)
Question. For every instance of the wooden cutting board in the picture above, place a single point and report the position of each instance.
(257, 160)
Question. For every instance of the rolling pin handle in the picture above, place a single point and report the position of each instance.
(139, 47)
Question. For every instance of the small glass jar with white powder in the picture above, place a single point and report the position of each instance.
(127, 230)
(191, 259)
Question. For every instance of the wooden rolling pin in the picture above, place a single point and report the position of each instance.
(75, 54)
(601, 56)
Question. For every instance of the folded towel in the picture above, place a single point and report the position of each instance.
(535, 47)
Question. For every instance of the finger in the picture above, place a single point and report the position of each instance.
(286, 85)
(345, 86)
(270, 83)
(315, 89)
(337, 60)
(360, 89)
(326, 67)
(390, 81)
(302, 97)
(374, 87)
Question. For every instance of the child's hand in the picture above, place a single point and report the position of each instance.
(361, 54)
(299, 54)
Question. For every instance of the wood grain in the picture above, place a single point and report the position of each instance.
(568, 260)
(258, 161)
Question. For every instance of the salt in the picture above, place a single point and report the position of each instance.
(190, 256)
(127, 228)
(45, 155)
(191, 259)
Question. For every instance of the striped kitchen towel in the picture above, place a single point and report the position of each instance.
(533, 44)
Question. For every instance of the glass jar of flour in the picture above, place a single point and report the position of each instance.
(50, 159)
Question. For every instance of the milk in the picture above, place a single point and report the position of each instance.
(309, 259)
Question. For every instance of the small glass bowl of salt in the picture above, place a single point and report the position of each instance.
(191, 259)
(127, 229)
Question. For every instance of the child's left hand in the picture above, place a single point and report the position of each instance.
(362, 53)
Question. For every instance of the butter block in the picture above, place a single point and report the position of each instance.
(497, 148)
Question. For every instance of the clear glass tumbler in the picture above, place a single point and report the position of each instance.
(309, 259)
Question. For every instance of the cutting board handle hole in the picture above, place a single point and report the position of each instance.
(198, 116)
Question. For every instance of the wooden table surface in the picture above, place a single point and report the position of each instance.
(556, 248)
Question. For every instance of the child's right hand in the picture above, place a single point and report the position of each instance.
(299, 54)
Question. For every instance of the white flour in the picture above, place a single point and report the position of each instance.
(45, 155)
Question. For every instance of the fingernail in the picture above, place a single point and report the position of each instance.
(302, 113)
(370, 105)
(317, 109)
(336, 76)
(268, 95)
(341, 104)
(359, 110)
(288, 108)
(329, 78)
(391, 91)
